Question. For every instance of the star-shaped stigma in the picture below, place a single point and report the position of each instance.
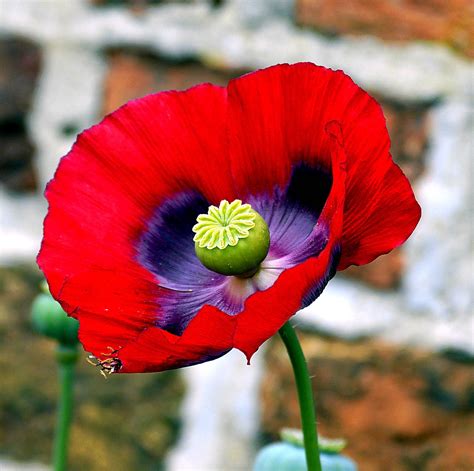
(224, 225)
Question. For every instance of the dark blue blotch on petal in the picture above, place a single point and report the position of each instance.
(166, 249)
(318, 288)
(292, 215)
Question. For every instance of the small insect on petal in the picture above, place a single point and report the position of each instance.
(109, 365)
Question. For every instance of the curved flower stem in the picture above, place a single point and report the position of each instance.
(66, 357)
(305, 396)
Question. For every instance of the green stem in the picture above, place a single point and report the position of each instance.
(305, 396)
(66, 357)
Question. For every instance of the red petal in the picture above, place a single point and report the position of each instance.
(208, 336)
(104, 192)
(393, 217)
(266, 312)
(277, 118)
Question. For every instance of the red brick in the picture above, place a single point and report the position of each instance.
(132, 75)
(385, 272)
(448, 21)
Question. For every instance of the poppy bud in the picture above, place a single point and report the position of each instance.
(49, 319)
(232, 239)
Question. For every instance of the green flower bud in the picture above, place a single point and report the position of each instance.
(232, 239)
(49, 319)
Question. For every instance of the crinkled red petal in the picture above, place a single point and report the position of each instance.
(104, 192)
(377, 223)
(279, 120)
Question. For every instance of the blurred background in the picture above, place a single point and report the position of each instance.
(390, 344)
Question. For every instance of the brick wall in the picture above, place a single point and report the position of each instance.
(401, 409)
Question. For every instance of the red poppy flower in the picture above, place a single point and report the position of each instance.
(304, 145)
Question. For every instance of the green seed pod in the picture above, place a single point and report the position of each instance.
(232, 239)
(283, 456)
(289, 455)
(49, 319)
